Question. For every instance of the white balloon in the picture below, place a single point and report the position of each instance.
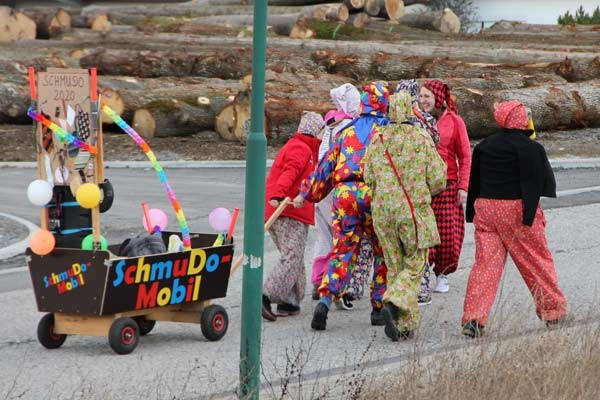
(39, 192)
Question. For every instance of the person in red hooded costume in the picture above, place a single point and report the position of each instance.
(295, 162)
(509, 174)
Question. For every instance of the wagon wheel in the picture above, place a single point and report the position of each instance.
(145, 325)
(214, 322)
(123, 335)
(46, 335)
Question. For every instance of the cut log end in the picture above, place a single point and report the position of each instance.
(144, 123)
(15, 25)
(101, 23)
(113, 99)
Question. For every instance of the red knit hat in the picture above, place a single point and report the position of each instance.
(512, 114)
(441, 92)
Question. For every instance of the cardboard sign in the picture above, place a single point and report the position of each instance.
(64, 98)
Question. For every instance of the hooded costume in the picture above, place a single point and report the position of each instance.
(509, 173)
(404, 171)
(286, 282)
(341, 171)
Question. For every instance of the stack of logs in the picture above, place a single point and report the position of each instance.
(187, 76)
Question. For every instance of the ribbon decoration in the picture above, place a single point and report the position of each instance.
(185, 232)
(62, 134)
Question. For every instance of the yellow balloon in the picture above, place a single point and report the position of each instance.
(42, 242)
(88, 195)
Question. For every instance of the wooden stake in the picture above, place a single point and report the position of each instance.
(284, 203)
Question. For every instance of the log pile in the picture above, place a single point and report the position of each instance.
(182, 69)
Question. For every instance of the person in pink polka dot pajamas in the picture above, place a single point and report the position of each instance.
(509, 174)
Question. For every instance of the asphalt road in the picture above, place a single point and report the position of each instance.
(175, 361)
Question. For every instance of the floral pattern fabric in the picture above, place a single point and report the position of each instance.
(405, 225)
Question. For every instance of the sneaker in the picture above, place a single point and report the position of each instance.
(377, 318)
(266, 309)
(315, 292)
(287, 310)
(558, 323)
(441, 284)
(344, 303)
(472, 329)
(391, 330)
(319, 320)
(424, 291)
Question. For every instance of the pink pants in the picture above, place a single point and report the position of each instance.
(499, 230)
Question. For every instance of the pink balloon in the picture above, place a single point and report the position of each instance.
(219, 219)
(157, 218)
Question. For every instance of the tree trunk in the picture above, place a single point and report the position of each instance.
(225, 64)
(288, 95)
(49, 22)
(471, 50)
(358, 20)
(392, 9)
(579, 70)
(14, 99)
(8, 67)
(280, 24)
(442, 21)
(327, 12)
(94, 21)
(354, 5)
(15, 25)
(568, 106)
(189, 104)
(373, 7)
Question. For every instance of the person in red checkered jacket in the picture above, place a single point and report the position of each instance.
(455, 149)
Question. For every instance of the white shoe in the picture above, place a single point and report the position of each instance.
(441, 284)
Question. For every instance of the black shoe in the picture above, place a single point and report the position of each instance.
(287, 310)
(319, 321)
(377, 318)
(391, 330)
(472, 329)
(345, 303)
(315, 292)
(266, 309)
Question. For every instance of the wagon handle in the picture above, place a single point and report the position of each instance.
(284, 203)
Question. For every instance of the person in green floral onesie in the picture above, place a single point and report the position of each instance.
(403, 170)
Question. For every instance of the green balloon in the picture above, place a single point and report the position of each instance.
(88, 242)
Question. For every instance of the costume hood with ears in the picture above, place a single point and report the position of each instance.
(346, 99)
(311, 123)
(401, 107)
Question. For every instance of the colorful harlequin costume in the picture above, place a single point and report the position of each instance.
(509, 174)
(341, 171)
(286, 282)
(455, 150)
(402, 186)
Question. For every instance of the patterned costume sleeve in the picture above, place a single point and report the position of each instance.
(436, 170)
(320, 182)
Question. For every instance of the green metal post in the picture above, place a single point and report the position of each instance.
(256, 164)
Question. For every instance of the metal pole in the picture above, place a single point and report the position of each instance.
(256, 161)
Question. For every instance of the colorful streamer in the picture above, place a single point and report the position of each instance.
(185, 232)
(62, 134)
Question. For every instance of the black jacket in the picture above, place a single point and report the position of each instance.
(509, 165)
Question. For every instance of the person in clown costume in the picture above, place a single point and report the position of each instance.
(509, 174)
(341, 171)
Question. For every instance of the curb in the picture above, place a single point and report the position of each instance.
(557, 163)
(19, 247)
(146, 164)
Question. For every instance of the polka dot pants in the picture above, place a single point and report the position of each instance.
(499, 231)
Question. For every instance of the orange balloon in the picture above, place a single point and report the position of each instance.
(42, 242)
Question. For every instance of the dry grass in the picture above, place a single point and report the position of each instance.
(561, 364)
